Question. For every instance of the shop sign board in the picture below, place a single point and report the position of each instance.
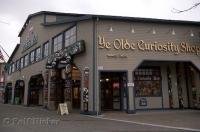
(146, 46)
(130, 84)
(64, 56)
(63, 109)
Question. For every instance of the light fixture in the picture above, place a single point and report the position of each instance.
(173, 32)
(191, 34)
(153, 31)
(132, 29)
(111, 29)
(101, 80)
(107, 79)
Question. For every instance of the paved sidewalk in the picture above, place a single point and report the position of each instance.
(75, 122)
(172, 118)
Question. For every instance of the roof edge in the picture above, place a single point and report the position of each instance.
(110, 17)
(13, 53)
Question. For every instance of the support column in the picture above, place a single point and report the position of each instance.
(174, 86)
(197, 85)
(26, 91)
(130, 94)
(165, 86)
(183, 85)
(13, 93)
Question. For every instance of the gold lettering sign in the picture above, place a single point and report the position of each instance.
(125, 44)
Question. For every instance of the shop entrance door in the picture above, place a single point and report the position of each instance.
(76, 94)
(112, 85)
(36, 90)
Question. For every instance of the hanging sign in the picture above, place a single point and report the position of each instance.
(64, 56)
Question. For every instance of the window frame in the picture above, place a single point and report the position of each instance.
(36, 55)
(21, 66)
(32, 58)
(53, 42)
(27, 55)
(43, 49)
(71, 35)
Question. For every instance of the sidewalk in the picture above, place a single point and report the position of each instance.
(108, 122)
(173, 118)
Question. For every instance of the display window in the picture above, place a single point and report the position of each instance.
(147, 82)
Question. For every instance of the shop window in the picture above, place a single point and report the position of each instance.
(32, 56)
(147, 82)
(38, 54)
(13, 67)
(57, 43)
(26, 60)
(70, 36)
(46, 49)
(22, 62)
(17, 65)
(10, 69)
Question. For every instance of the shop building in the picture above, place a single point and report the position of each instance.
(2, 81)
(97, 63)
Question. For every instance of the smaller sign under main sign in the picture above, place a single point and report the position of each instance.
(130, 84)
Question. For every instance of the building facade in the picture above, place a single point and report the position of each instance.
(97, 63)
(2, 82)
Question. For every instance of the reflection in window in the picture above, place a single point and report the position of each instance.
(13, 67)
(22, 62)
(46, 49)
(147, 82)
(32, 56)
(17, 65)
(57, 43)
(10, 69)
(70, 36)
(38, 54)
(26, 60)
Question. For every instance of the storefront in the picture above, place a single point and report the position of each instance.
(100, 63)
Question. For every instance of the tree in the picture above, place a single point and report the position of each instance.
(188, 9)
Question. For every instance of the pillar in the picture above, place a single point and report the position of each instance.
(197, 86)
(174, 86)
(165, 91)
(130, 94)
(13, 93)
(183, 85)
(26, 91)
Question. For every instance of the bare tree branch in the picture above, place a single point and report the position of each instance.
(192, 7)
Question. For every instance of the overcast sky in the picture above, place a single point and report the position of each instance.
(13, 13)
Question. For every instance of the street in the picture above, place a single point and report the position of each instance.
(15, 118)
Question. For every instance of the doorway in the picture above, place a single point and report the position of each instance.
(8, 94)
(75, 79)
(36, 90)
(19, 92)
(113, 90)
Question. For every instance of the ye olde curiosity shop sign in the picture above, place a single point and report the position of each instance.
(125, 44)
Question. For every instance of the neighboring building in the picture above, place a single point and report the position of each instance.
(2, 82)
(97, 63)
